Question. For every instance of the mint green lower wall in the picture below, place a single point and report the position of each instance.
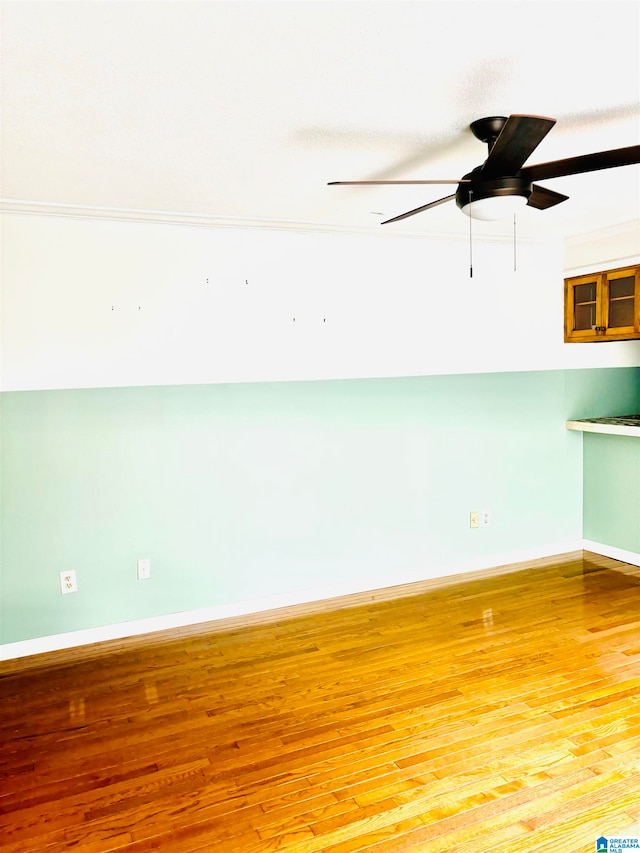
(238, 492)
(612, 490)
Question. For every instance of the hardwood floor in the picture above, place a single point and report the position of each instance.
(498, 714)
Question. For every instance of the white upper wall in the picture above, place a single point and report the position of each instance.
(91, 303)
(606, 248)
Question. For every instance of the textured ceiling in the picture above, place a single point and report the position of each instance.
(246, 110)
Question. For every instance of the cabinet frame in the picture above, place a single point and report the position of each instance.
(600, 330)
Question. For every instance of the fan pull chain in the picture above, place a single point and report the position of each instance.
(470, 237)
(514, 244)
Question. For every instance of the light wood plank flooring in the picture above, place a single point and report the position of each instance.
(496, 714)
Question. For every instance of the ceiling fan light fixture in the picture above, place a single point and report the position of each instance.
(496, 207)
(495, 198)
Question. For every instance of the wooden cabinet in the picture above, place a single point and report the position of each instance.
(603, 306)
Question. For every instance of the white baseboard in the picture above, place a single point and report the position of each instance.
(501, 563)
(611, 551)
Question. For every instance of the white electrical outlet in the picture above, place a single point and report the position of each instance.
(474, 519)
(144, 569)
(485, 517)
(68, 582)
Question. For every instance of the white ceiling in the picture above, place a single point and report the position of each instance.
(245, 110)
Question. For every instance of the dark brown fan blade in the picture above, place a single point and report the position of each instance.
(419, 209)
(520, 136)
(541, 198)
(379, 183)
(583, 163)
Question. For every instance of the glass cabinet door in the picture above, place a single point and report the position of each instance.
(584, 306)
(621, 299)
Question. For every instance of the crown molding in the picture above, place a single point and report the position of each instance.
(203, 220)
(628, 226)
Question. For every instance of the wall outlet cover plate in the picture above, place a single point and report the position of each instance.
(68, 582)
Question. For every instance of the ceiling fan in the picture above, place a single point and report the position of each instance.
(502, 184)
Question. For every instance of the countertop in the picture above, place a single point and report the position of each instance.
(618, 425)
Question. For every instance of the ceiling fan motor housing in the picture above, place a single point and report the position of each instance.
(478, 188)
